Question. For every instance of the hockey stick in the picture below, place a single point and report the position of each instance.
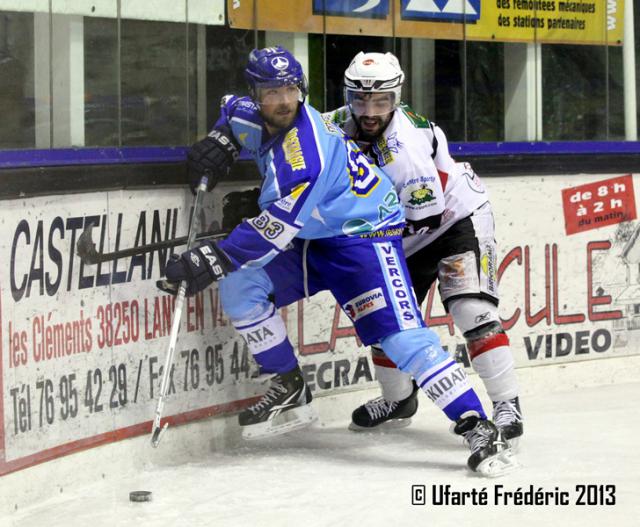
(86, 248)
(157, 431)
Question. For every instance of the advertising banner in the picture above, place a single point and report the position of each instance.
(597, 22)
(83, 346)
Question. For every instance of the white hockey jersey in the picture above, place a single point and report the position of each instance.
(415, 154)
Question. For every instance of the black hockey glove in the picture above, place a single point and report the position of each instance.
(213, 156)
(199, 267)
(239, 205)
(421, 226)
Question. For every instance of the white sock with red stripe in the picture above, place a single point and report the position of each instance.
(492, 360)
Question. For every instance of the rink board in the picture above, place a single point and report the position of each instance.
(83, 347)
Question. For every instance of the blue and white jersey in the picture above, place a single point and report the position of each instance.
(316, 184)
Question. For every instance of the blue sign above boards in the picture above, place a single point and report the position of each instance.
(352, 8)
(441, 10)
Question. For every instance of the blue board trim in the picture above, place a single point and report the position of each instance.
(163, 154)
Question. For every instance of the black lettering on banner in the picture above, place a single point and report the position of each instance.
(596, 494)
(214, 365)
(55, 256)
(191, 369)
(68, 397)
(240, 363)
(564, 344)
(21, 399)
(118, 379)
(17, 291)
(46, 401)
(94, 382)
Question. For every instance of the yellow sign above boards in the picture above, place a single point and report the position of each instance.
(595, 22)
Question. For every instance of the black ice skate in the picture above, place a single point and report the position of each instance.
(490, 454)
(389, 414)
(284, 408)
(508, 418)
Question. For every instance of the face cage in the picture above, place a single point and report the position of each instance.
(356, 109)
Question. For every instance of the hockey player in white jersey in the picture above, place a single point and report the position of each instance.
(450, 236)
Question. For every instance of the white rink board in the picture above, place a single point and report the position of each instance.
(101, 382)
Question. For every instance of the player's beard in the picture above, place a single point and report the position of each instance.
(281, 117)
(371, 127)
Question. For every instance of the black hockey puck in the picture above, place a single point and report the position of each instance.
(140, 495)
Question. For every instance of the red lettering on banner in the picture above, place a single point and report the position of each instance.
(435, 321)
(601, 299)
(599, 204)
(557, 317)
(195, 312)
(545, 312)
(513, 254)
(336, 333)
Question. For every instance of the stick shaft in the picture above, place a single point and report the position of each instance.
(98, 257)
(177, 315)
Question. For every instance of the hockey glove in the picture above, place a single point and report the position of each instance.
(421, 226)
(199, 267)
(213, 156)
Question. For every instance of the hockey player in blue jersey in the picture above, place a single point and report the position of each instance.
(330, 221)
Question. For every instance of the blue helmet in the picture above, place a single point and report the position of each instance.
(274, 67)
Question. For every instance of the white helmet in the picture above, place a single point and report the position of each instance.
(374, 73)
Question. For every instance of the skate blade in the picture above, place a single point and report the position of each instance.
(391, 424)
(289, 421)
(514, 444)
(498, 465)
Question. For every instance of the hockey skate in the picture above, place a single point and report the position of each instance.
(508, 419)
(385, 414)
(284, 408)
(490, 454)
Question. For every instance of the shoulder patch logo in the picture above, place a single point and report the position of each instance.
(416, 119)
(422, 195)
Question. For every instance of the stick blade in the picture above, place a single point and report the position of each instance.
(157, 433)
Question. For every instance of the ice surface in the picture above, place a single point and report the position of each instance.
(329, 476)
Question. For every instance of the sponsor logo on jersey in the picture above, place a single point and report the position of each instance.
(399, 291)
(421, 195)
(288, 202)
(458, 10)
(417, 120)
(331, 122)
(473, 180)
(365, 304)
(445, 387)
(293, 150)
(356, 226)
(195, 260)
(243, 137)
(385, 147)
(488, 266)
(352, 8)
